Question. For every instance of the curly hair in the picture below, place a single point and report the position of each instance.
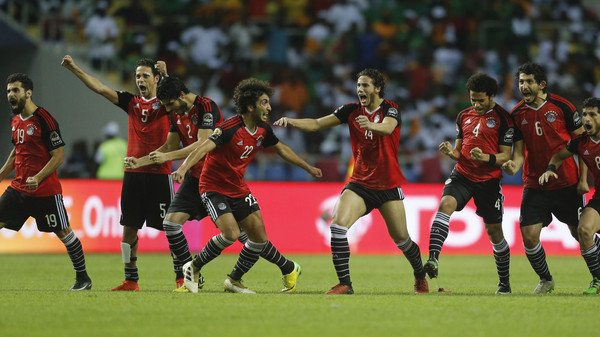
(481, 82)
(170, 88)
(538, 72)
(26, 82)
(147, 62)
(592, 102)
(247, 93)
(377, 77)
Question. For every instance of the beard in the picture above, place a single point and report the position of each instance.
(19, 107)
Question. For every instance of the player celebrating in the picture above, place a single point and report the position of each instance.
(483, 143)
(147, 191)
(226, 195)
(374, 125)
(544, 123)
(586, 146)
(36, 191)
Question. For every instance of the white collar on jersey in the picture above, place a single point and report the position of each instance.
(372, 112)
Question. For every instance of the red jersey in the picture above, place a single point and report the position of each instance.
(224, 167)
(589, 151)
(375, 156)
(148, 128)
(487, 132)
(34, 138)
(204, 114)
(544, 131)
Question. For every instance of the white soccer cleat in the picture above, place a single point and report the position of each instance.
(544, 287)
(190, 277)
(234, 286)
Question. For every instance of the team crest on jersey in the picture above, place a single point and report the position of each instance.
(156, 105)
(376, 119)
(259, 140)
(551, 116)
(207, 119)
(55, 138)
(194, 119)
(31, 130)
(393, 112)
(491, 122)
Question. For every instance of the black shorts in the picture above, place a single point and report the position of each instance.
(145, 197)
(487, 196)
(537, 206)
(594, 204)
(49, 212)
(374, 198)
(218, 204)
(187, 199)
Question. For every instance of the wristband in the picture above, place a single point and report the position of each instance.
(551, 167)
(492, 160)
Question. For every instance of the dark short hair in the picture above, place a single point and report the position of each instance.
(592, 102)
(247, 93)
(482, 82)
(377, 78)
(147, 62)
(26, 82)
(170, 88)
(538, 72)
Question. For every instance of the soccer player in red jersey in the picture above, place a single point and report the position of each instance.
(544, 123)
(587, 147)
(374, 125)
(483, 143)
(147, 191)
(225, 194)
(36, 191)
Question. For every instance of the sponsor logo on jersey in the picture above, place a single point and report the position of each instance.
(586, 153)
(241, 142)
(393, 112)
(524, 122)
(491, 122)
(55, 138)
(137, 106)
(156, 105)
(13, 128)
(551, 116)
(508, 136)
(448, 181)
(179, 122)
(468, 121)
(222, 206)
(207, 119)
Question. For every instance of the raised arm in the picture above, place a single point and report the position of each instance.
(90, 81)
(194, 157)
(289, 155)
(9, 165)
(55, 161)
(309, 124)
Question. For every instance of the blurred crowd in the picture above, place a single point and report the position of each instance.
(310, 51)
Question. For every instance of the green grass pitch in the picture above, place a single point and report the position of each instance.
(34, 300)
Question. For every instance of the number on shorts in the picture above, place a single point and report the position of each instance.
(250, 199)
(498, 204)
(51, 220)
(163, 210)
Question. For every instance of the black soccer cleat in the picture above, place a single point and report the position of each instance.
(82, 284)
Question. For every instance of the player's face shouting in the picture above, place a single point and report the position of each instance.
(529, 88)
(591, 121)
(366, 91)
(145, 81)
(263, 107)
(481, 102)
(17, 97)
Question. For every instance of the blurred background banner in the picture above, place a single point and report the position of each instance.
(296, 217)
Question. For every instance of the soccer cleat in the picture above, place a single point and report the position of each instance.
(82, 284)
(594, 287)
(179, 282)
(503, 288)
(431, 268)
(290, 280)
(341, 289)
(184, 289)
(191, 277)
(127, 286)
(544, 287)
(421, 286)
(234, 286)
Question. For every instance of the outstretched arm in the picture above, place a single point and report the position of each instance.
(159, 157)
(9, 165)
(289, 155)
(55, 161)
(309, 124)
(194, 157)
(555, 162)
(90, 81)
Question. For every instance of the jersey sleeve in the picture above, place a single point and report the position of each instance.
(343, 112)
(222, 136)
(459, 130)
(392, 111)
(124, 99)
(270, 138)
(172, 127)
(50, 131)
(209, 114)
(506, 131)
(573, 144)
(572, 118)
